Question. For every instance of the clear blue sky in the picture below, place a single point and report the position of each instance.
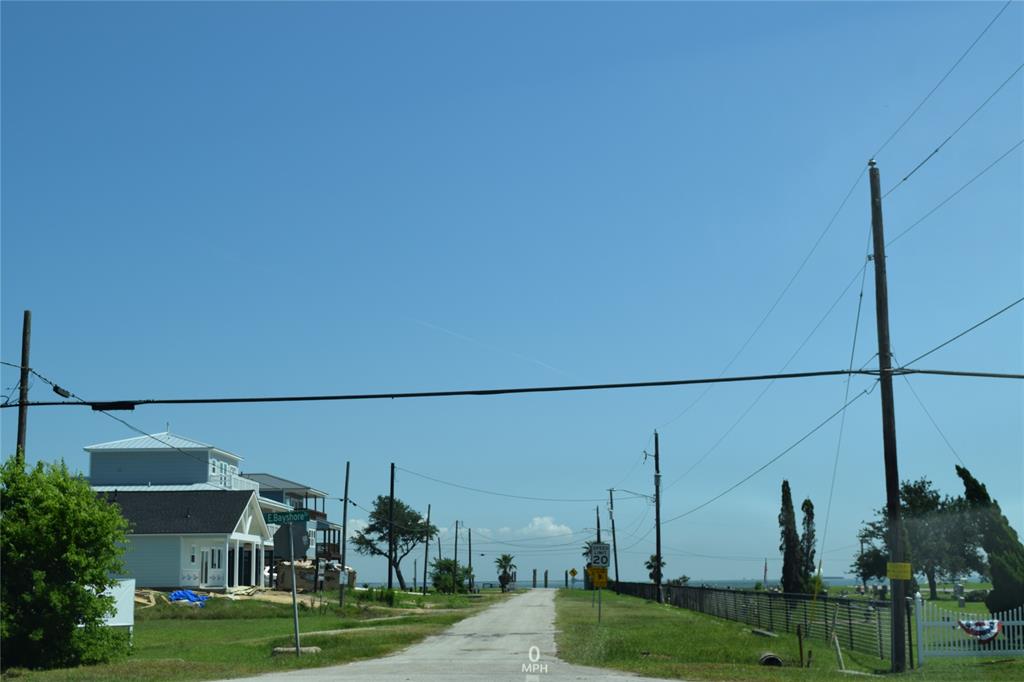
(277, 198)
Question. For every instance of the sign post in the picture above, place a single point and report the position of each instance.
(600, 557)
(290, 518)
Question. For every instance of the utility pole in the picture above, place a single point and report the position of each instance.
(611, 517)
(455, 558)
(344, 542)
(597, 515)
(657, 518)
(426, 550)
(391, 528)
(470, 559)
(26, 339)
(892, 476)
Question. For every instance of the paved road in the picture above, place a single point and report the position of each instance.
(492, 645)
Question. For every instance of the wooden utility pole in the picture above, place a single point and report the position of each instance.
(611, 517)
(657, 518)
(426, 550)
(597, 515)
(343, 578)
(892, 477)
(26, 339)
(455, 559)
(391, 528)
(470, 559)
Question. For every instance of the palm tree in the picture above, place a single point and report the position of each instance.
(505, 567)
(650, 565)
(587, 548)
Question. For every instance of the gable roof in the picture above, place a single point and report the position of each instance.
(271, 482)
(157, 441)
(180, 512)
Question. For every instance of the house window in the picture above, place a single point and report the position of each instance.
(213, 466)
(215, 558)
(192, 555)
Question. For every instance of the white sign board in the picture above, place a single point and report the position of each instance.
(124, 603)
(600, 554)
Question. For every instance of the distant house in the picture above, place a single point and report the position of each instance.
(324, 537)
(209, 539)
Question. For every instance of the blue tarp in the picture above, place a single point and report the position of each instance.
(188, 595)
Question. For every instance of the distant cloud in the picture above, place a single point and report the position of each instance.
(356, 525)
(543, 526)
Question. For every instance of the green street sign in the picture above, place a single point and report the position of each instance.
(280, 518)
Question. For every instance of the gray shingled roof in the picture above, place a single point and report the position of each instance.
(177, 512)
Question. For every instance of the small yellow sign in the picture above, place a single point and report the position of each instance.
(897, 570)
(598, 576)
(572, 572)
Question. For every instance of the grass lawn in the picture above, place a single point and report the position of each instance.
(664, 641)
(234, 638)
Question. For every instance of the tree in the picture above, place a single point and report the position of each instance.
(789, 543)
(505, 567)
(681, 581)
(651, 565)
(60, 546)
(442, 574)
(1000, 542)
(807, 548)
(410, 530)
(939, 537)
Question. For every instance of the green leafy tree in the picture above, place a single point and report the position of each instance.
(652, 567)
(807, 541)
(505, 564)
(1000, 542)
(444, 577)
(410, 530)
(940, 536)
(789, 543)
(60, 548)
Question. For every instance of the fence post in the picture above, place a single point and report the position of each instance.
(807, 628)
(919, 622)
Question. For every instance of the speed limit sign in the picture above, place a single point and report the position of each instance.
(600, 554)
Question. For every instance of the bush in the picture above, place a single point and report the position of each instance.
(975, 595)
(60, 545)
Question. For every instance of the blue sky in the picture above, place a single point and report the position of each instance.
(276, 198)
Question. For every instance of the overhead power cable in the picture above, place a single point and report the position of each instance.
(954, 373)
(966, 331)
(932, 420)
(953, 134)
(951, 196)
(132, 404)
(941, 80)
(491, 492)
(770, 461)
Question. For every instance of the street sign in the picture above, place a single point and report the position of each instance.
(281, 518)
(572, 572)
(598, 576)
(600, 554)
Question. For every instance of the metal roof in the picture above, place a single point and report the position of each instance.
(157, 441)
(271, 482)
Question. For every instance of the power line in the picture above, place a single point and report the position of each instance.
(491, 492)
(951, 196)
(778, 299)
(132, 404)
(941, 80)
(953, 134)
(770, 461)
(954, 373)
(966, 331)
(934, 423)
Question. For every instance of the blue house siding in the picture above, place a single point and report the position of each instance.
(153, 560)
(140, 468)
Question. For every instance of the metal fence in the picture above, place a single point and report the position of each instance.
(859, 625)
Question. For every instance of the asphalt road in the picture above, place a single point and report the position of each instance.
(494, 645)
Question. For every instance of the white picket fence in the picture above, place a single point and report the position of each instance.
(939, 633)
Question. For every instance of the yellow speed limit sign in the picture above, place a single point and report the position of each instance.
(897, 570)
(598, 576)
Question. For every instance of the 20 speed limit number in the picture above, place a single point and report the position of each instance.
(600, 554)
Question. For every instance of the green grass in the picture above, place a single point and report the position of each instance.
(235, 638)
(664, 641)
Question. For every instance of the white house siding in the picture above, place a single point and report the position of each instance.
(153, 560)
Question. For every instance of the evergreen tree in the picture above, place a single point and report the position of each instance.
(789, 544)
(807, 541)
(1000, 542)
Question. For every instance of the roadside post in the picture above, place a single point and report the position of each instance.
(290, 518)
(600, 557)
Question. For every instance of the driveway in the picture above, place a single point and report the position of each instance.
(494, 645)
